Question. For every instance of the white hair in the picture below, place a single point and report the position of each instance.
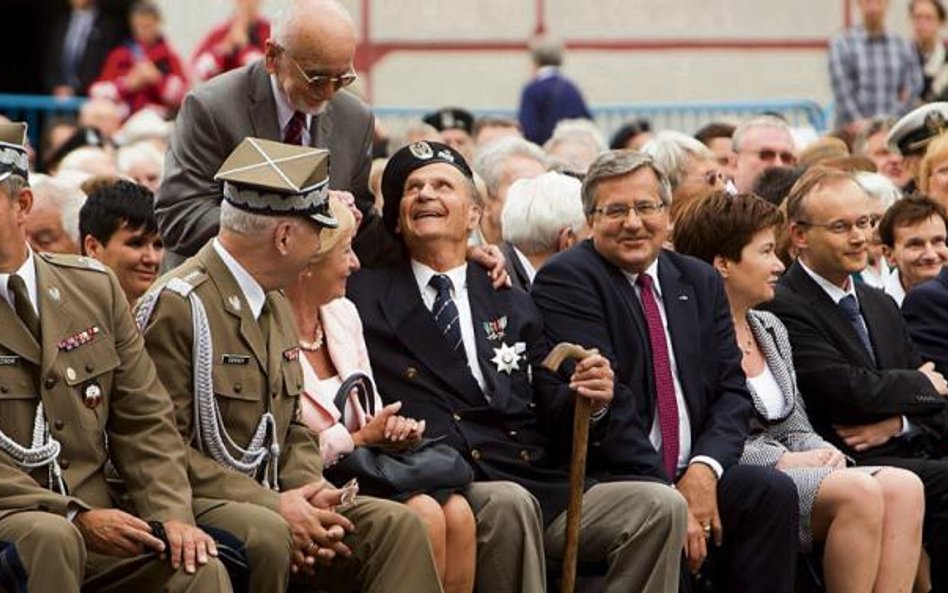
(674, 152)
(537, 210)
(761, 121)
(284, 20)
(63, 197)
(492, 157)
(879, 188)
(89, 159)
(128, 156)
(575, 143)
(248, 224)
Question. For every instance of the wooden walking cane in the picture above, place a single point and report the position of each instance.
(577, 466)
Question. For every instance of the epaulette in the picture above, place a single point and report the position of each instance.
(184, 285)
(73, 261)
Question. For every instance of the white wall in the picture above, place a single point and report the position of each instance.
(717, 70)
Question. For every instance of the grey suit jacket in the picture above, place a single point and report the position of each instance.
(217, 116)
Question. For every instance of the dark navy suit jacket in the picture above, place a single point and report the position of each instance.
(587, 300)
(545, 101)
(520, 432)
(925, 309)
(840, 382)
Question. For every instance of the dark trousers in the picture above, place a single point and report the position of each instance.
(934, 475)
(760, 515)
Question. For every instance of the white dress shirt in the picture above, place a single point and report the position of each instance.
(459, 295)
(684, 422)
(28, 272)
(526, 263)
(892, 286)
(837, 294)
(285, 111)
(253, 292)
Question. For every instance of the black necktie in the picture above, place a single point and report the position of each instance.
(851, 310)
(446, 312)
(23, 306)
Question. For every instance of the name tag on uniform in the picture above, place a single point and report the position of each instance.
(235, 359)
(9, 361)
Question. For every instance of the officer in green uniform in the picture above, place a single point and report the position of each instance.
(223, 338)
(76, 389)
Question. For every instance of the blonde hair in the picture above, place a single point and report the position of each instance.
(936, 152)
(329, 238)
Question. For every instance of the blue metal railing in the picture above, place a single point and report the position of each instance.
(35, 109)
(685, 117)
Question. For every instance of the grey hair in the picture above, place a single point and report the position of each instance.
(13, 184)
(761, 121)
(875, 125)
(127, 156)
(674, 152)
(618, 163)
(581, 133)
(879, 188)
(65, 198)
(248, 224)
(491, 158)
(283, 20)
(537, 210)
(546, 51)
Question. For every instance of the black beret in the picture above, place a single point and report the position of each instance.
(404, 162)
(451, 118)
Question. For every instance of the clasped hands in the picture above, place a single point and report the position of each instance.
(317, 529)
(116, 533)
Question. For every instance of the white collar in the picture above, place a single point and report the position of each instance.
(27, 271)
(836, 293)
(285, 109)
(526, 263)
(423, 275)
(651, 270)
(252, 290)
(892, 286)
(546, 71)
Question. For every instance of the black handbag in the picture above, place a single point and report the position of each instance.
(386, 472)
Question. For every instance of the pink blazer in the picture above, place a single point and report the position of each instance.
(342, 330)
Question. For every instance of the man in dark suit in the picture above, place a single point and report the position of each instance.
(681, 408)
(466, 359)
(926, 311)
(294, 95)
(866, 388)
(550, 96)
(80, 41)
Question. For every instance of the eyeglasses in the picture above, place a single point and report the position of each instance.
(617, 212)
(320, 80)
(840, 227)
(769, 155)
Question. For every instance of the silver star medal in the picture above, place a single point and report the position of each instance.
(507, 358)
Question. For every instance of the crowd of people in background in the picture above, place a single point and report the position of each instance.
(222, 245)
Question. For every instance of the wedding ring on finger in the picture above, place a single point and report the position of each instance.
(707, 530)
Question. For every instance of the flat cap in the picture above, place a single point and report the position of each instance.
(911, 134)
(404, 162)
(13, 158)
(272, 178)
(451, 118)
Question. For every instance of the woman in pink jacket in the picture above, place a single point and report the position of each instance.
(330, 338)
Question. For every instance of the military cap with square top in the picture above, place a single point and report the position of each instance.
(276, 179)
(404, 162)
(13, 158)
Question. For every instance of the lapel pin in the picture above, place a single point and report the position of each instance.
(234, 302)
(682, 297)
(92, 395)
(53, 293)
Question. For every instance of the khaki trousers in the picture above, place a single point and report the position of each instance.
(50, 557)
(390, 554)
(638, 528)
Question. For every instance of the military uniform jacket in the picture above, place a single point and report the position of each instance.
(250, 374)
(88, 339)
(517, 434)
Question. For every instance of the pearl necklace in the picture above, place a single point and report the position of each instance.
(317, 342)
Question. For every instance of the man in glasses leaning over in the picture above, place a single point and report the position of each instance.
(294, 95)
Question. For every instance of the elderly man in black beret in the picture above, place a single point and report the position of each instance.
(466, 358)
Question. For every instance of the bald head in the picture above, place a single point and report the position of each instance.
(321, 31)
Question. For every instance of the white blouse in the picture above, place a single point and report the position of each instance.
(769, 393)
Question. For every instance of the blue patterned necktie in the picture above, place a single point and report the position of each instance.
(851, 310)
(446, 312)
